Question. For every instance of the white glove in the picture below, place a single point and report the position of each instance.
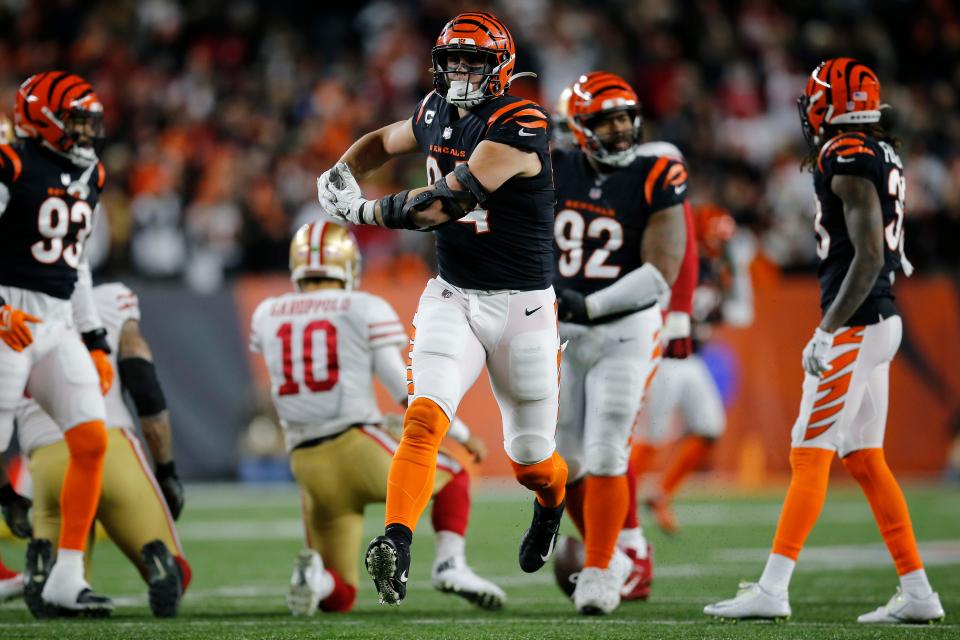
(324, 196)
(815, 353)
(346, 197)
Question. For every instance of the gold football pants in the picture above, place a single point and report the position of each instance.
(337, 479)
(131, 509)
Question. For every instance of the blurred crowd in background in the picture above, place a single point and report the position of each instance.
(220, 115)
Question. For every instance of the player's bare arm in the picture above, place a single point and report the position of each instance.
(665, 241)
(862, 213)
(374, 149)
(489, 167)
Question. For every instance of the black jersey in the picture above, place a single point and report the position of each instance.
(506, 245)
(600, 217)
(857, 154)
(48, 215)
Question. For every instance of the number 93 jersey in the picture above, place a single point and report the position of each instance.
(47, 206)
(318, 347)
(507, 244)
(857, 154)
(600, 218)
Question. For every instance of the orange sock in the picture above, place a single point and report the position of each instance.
(869, 467)
(604, 508)
(809, 476)
(575, 494)
(80, 494)
(693, 451)
(641, 458)
(547, 478)
(414, 467)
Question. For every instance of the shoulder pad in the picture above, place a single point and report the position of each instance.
(846, 148)
(421, 108)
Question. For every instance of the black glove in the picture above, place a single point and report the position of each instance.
(171, 487)
(16, 511)
(572, 307)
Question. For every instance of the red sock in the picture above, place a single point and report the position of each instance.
(342, 597)
(5, 572)
(185, 570)
(451, 505)
(632, 521)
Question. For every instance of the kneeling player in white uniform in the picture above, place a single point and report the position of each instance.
(322, 346)
(137, 506)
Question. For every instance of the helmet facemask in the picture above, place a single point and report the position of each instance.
(481, 81)
(83, 135)
(617, 148)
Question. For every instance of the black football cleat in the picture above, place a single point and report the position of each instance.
(537, 543)
(39, 562)
(388, 563)
(164, 579)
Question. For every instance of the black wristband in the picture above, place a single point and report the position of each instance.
(96, 339)
(7, 494)
(139, 377)
(165, 470)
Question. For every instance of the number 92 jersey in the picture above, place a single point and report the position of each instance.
(506, 245)
(318, 347)
(47, 205)
(600, 218)
(857, 154)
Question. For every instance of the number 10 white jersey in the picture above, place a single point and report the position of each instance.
(318, 348)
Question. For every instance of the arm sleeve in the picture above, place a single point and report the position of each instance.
(526, 126)
(85, 314)
(681, 298)
(383, 326)
(391, 371)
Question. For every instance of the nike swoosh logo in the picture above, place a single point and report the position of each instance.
(839, 159)
(626, 339)
(530, 313)
(160, 568)
(630, 585)
(527, 133)
(403, 577)
(549, 552)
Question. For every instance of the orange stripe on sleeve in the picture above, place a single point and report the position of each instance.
(538, 124)
(502, 110)
(658, 168)
(528, 112)
(14, 158)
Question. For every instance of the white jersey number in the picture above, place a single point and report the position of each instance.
(53, 221)
(317, 376)
(478, 217)
(568, 229)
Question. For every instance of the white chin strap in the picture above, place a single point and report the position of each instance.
(464, 95)
(81, 156)
(618, 159)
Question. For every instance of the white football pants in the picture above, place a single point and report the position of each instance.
(685, 384)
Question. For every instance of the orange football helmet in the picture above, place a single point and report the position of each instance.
(476, 33)
(61, 110)
(597, 94)
(839, 91)
(325, 249)
(714, 227)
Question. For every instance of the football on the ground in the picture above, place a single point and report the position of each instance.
(568, 557)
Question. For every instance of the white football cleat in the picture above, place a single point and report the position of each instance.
(751, 601)
(455, 576)
(11, 587)
(67, 591)
(621, 565)
(598, 591)
(906, 608)
(309, 584)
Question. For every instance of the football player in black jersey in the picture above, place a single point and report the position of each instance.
(50, 181)
(859, 182)
(620, 239)
(490, 203)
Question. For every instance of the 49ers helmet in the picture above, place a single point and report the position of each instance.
(839, 91)
(597, 94)
(478, 33)
(50, 104)
(325, 249)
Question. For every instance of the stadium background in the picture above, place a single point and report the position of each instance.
(221, 114)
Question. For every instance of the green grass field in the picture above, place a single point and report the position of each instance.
(241, 543)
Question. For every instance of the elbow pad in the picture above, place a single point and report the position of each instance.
(639, 289)
(139, 376)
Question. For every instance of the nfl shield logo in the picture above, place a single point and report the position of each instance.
(595, 193)
(447, 132)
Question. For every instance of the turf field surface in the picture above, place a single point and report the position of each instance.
(242, 541)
